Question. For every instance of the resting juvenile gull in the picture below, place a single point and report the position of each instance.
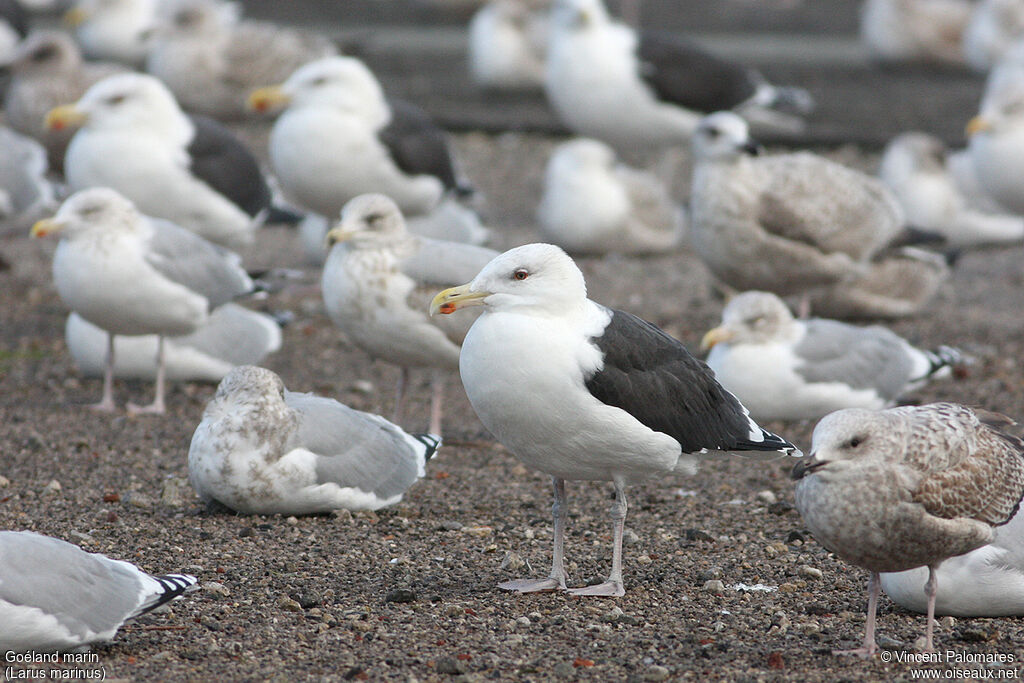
(56, 596)
(46, 71)
(994, 26)
(996, 143)
(130, 274)
(987, 582)
(593, 204)
(339, 138)
(507, 44)
(190, 170)
(581, 391)
(646, 89)
(118, 30)
(261, 449)
(791, 223)
(211, 58)
(914, 167)
(25, 193)
(787, 369)
(231, 336)
(928, 31)
(371, 275)
(908, 487)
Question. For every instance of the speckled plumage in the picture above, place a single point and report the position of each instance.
(905, 487)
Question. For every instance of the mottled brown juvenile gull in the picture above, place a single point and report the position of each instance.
(187, 169)
(46, 71)
(25, 193)
(261, 449)
(908, 487)
(782, 368)
(56, 596)
(211, 58)
(508, 43)
(118, 30)
(581, 391)
(130, 274)
(231, 336)
(339, 137)
(914, 166)
(928, 31)
(647, 89)
(374, 284)
(795, 223)
(593, 204)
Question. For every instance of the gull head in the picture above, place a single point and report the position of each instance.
(846, 439)
(368, 221)
(534, 278)
(583, 154)
(126, 102)
(249, 384)
(341, 83)
(578, 14)
(194, 18)
(751, 318)
(46, 52)
(94, 208)
(723, 136)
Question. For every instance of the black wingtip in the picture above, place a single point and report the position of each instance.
(174, 586)
(432, 443)
(279, 215)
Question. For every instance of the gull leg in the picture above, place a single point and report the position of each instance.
(870, 647)
(930, 589)
(436, 402)
(157, 406)
(613, 586)
(106, 403)
(556, 581)
(403, 381)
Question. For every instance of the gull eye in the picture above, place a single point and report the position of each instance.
(44, 54)
(854, 442)
(317, 82)
(521, 274)
(712, 132)
(115, 100)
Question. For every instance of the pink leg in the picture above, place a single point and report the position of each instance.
(556, 581)
(436, 402)
(613, 586)
(870, 647)
(930, 590)
(106, 403)
(157, 406)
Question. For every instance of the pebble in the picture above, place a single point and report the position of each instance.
(451, 525)
(714, 586)
(564, 670)
(139, 500)
(512, 561)
(362, 386)
(780, 624)
(344, 516)
(289, 605)
(450, 666)
(656, 672)
(523, 621)
(947, 622)
(644, 559)
(216, 588)
(175, 492)
(768, 497)
(630, 537)
(477, 530)
(809, 628)
(52, 488)
(400, 595)
(810, 572)
(4, 481)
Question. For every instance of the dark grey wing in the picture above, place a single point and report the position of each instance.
(861, 357)
(654, 378)
(188, 259)
(14, 14)
(222, 161)
(356, 449)
(85, 593)
(683, 73)
(417, 145)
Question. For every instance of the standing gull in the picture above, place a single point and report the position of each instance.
(581, 391)
(48, 70)
(117, 30)
(370, 278)
(914, 166)
(190, 170)
(794, 223)
(56, 596)
(647, 89)
(130, 274)
(761, 353)
(339, 137)
(593, 204)
(908, 487)
(261, 449)
(211, 58)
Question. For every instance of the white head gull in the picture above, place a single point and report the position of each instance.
(56, 596)
(261, 449)
(118, 30)
(907, 487)
(581, 391)
(129, 274)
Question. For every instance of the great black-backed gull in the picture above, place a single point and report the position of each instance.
(581, 391)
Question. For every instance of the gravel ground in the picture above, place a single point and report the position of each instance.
(408, 593)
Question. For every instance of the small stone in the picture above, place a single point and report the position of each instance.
(292, 520)
(810, 572)
(289, 605)
(477, 530)
(451, 525)
(780, 508)
(767, 497)
(714, 586)
(344, 516)
(306, 600)
(216, 588)
(512, 561)
(644, 559)
(362, 386)
(947, 622)
(564, 670)
(245, 532)
(523, 621)
(888, 642)
(613, 616)
(795, 538)
(139, 500)
(52, 488)
(400, 595)
(4, 481)
(630, 537)
(175, 492)
(780, 624)
(656, 672)
(450, 666)
(698, 535)
(809, 628)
